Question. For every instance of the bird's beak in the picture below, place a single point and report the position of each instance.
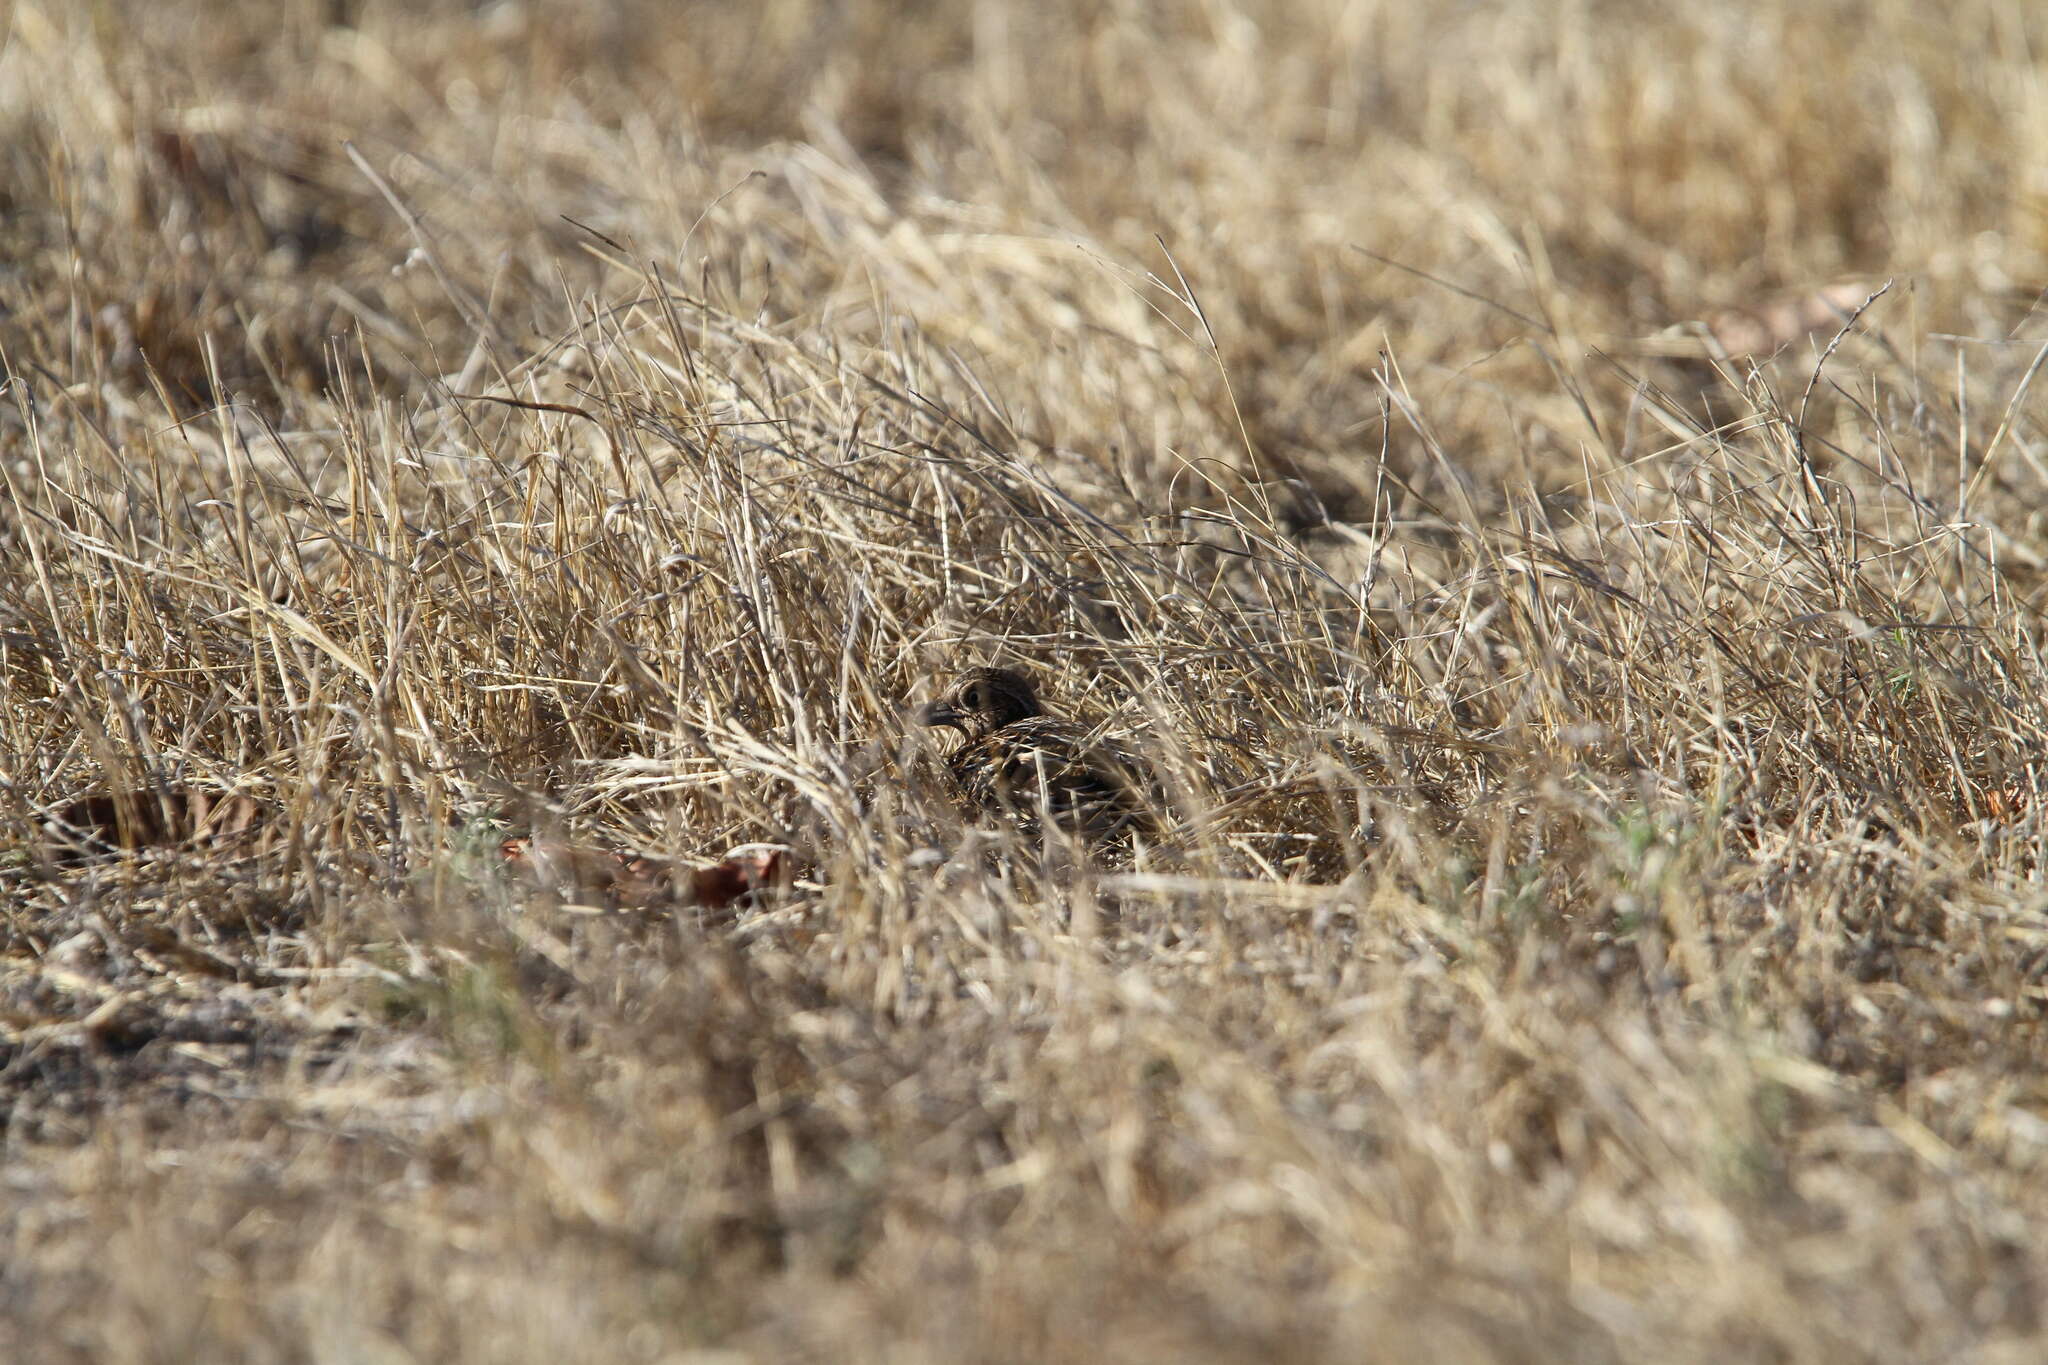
(939, 713)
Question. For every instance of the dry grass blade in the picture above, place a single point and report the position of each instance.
(1569, 875)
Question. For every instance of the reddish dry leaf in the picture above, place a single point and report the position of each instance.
(633, 881)
(1773, 325)
(750, 867)
(562, 866)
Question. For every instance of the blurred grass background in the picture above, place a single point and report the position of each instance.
(437, 421)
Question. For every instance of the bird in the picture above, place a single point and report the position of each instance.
(1015, 761)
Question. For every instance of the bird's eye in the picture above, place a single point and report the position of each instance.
(977, 697)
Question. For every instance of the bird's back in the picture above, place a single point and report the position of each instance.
(1042, 767)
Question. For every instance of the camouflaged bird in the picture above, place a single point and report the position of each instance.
(1016, 761)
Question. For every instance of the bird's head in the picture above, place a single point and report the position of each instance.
(981, 700)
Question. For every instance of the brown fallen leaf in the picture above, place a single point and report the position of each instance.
(630, 881)
(561, 866)
(745, 869)
(1767, 327)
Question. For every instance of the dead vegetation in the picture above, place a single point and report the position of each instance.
(445, 448)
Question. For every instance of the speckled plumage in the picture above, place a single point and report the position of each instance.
(1018, 762)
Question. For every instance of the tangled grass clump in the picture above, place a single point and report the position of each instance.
(1591, 903)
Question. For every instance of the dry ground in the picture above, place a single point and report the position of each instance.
(423, 424)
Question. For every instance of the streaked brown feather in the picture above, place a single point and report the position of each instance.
(1018, 762)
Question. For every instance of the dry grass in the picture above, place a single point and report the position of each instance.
(437, 423)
